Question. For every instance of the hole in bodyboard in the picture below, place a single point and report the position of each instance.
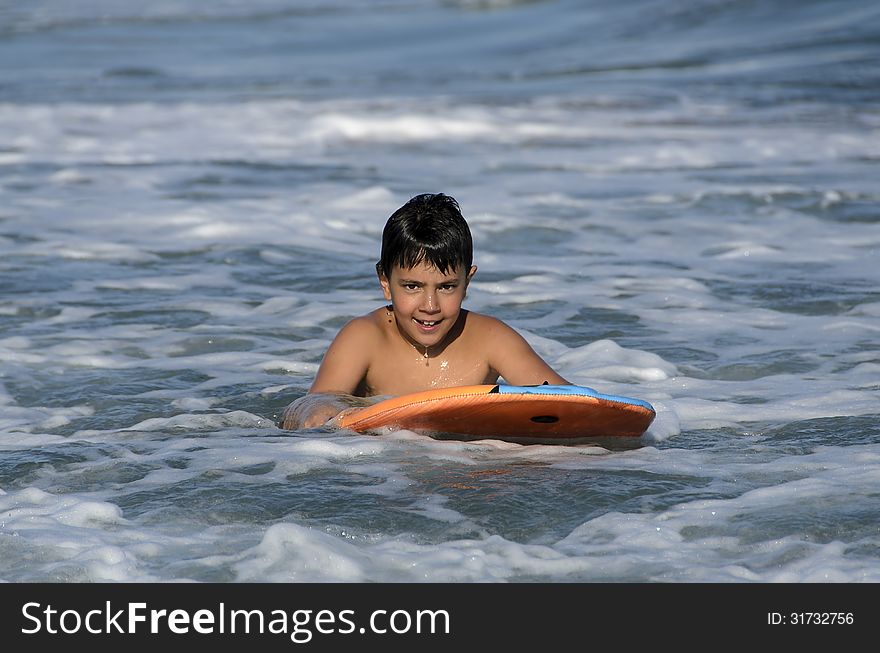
(545, 419)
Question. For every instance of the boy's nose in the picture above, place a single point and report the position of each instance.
(430, 304)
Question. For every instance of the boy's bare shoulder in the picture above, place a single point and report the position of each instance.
(363, 327)
(510, 355)
(494, 337)
(484, 326)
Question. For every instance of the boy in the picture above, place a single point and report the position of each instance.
(422, 339)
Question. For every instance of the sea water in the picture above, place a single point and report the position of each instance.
(673, 201)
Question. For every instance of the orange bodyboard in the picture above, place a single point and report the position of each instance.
(531, 413)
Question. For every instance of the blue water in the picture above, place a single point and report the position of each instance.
(672, 201)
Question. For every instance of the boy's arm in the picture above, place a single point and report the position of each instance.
(343, 368)
(347, 359)
(515, 360)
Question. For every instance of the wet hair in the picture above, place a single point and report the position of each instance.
(429, 228)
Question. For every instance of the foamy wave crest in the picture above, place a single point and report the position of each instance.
(203, 422)
(605, 359)
(69, 534)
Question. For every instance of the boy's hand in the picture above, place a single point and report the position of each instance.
(318, 409)
(310, 411)
(334, 421)
(318, 418)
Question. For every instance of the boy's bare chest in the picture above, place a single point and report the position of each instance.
(401, 372)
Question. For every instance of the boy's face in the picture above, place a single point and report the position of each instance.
(426, 302)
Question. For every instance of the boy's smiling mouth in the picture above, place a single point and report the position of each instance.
(427, 324)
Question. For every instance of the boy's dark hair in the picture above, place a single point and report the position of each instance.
(429, 228)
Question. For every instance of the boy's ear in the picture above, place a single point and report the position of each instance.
(385, 283)
(467, 279)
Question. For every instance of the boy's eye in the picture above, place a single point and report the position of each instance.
(446, 287)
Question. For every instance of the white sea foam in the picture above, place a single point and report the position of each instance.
(605, 359)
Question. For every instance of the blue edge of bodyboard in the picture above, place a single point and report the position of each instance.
(579, 390)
